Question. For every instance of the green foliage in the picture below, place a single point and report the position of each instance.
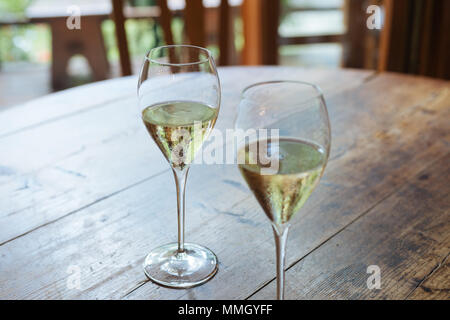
(142, 36)
(25, 43)
(16, 7)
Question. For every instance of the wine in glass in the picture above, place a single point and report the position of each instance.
(179, 97)
(298, 152)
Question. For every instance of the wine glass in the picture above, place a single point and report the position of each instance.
(179, 97)
(284, 158)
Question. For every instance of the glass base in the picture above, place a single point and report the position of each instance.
(168, 267)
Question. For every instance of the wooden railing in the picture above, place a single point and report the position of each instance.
(261, 21)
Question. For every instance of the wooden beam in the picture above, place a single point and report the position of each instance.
(303, 9)
(311, 39)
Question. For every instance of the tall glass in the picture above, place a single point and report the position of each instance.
(179, 97)
(285, 157)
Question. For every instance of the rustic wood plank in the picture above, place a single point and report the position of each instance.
(64, 177)
(406, 236)
(97, 236)
(436, 285)
(65, 103)
(109, 239)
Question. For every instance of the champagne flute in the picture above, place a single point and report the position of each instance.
(179, 97)
(296, 116)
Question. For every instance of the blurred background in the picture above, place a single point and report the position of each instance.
(42, 49)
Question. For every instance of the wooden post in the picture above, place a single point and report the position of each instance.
(121, 37)
(225, 32)
(165, 20)
(434, 59)
(385, 37)
(195, 22)
(354, 46)
(415, 38)
(252, 53)
(395, 37)
(270, 21)
(260, 19)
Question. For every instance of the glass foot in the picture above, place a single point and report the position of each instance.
(168, 267)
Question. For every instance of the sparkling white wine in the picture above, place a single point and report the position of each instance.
(179, 129)
(281, 195)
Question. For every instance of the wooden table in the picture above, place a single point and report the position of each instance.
(85, 192)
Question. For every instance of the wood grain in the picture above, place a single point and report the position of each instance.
(436, 285)
(66, 103)
(406, 236)
(383, 199)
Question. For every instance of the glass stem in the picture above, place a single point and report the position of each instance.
(180, 183)
(280, 234)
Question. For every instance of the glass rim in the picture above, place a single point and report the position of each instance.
(319, 92)
(150, 59)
